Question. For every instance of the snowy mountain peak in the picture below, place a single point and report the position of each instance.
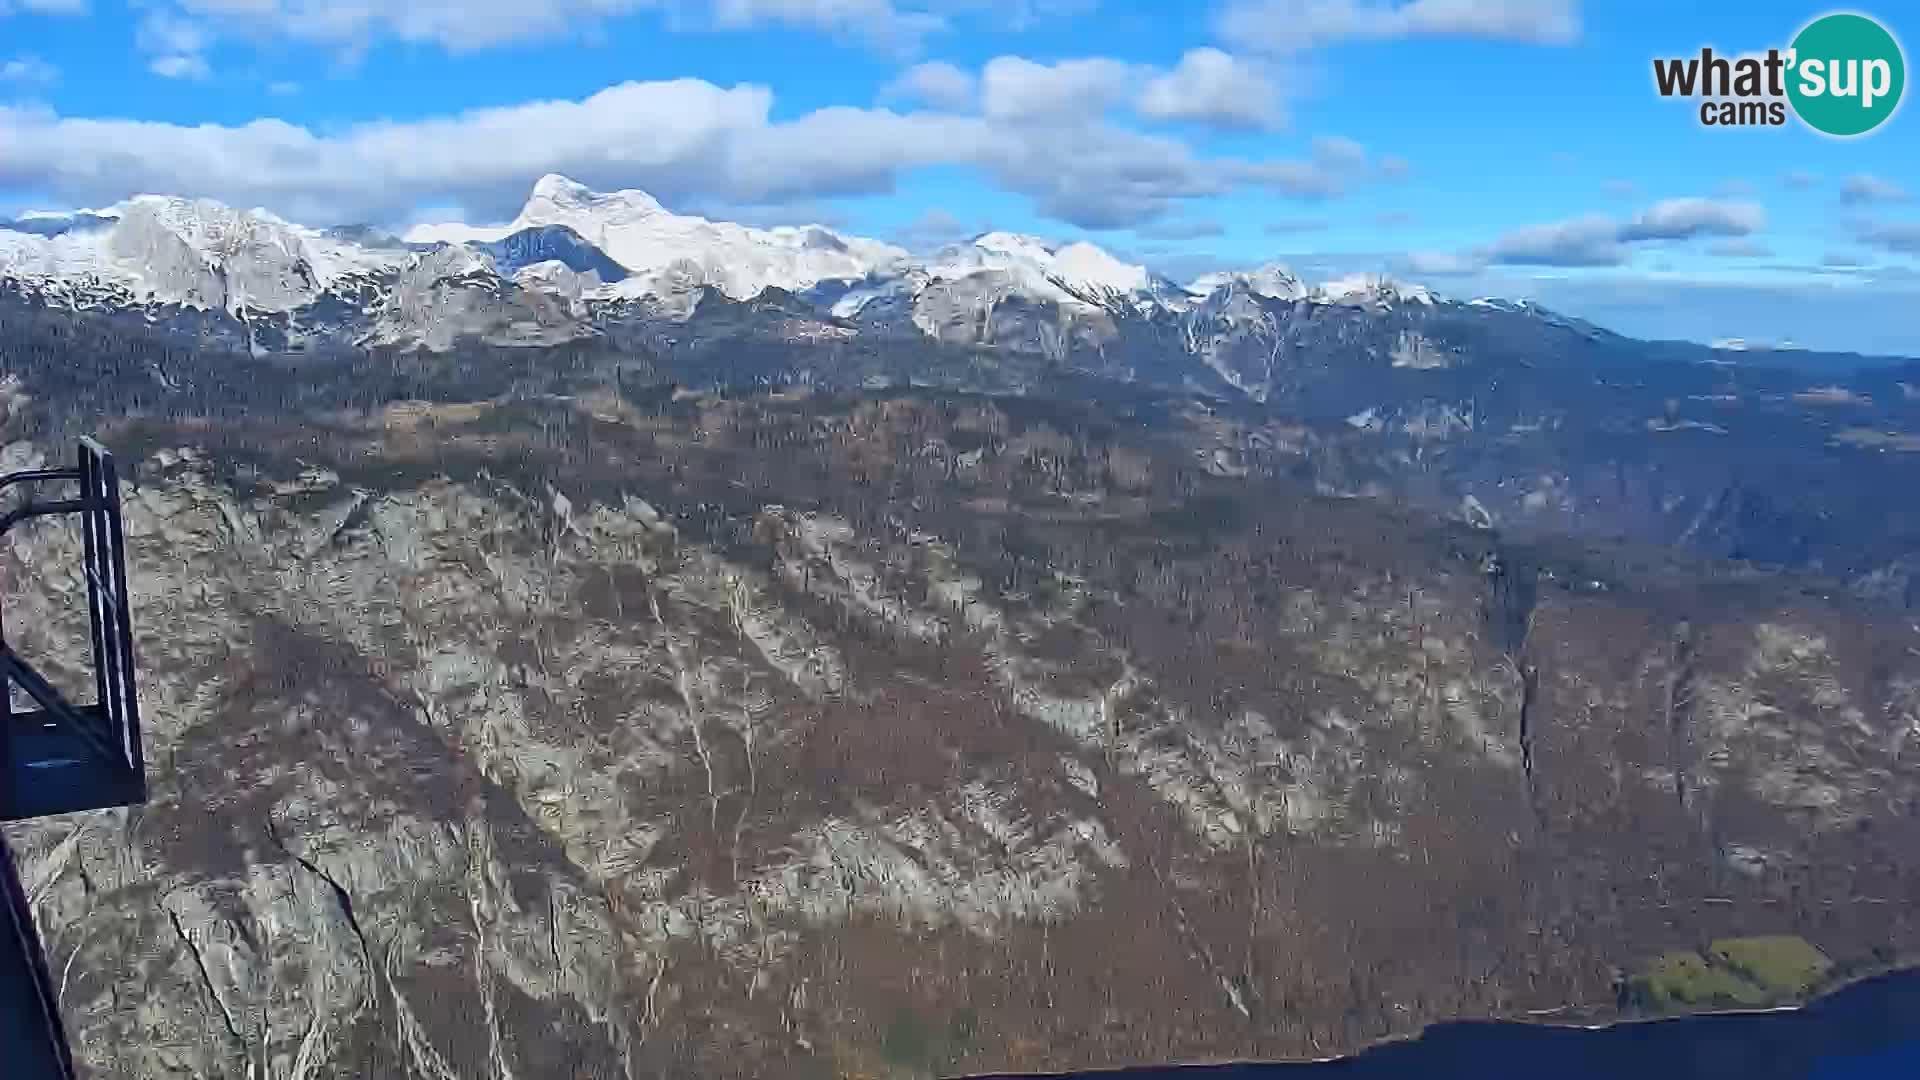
(212, 230)
(574, 256)
(556, 200)
(1272, 280)
(1079, 264)
(556, 188)
(1018, 245)
(192, 252)
(1075, 274)
(1279, 283)
(1370, 288)
(634, 230)
(1084, 264)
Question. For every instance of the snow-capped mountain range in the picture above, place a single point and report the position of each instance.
(196, 253)
(577, 264)
(189, 252)
(661, 250)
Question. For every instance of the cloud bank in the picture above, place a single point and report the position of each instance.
(681, 139)
(1286, 26)
(1598, 240)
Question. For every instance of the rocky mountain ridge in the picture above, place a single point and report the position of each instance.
(280, 286)
(727, 735)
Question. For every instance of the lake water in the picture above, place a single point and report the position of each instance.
(1869, 1030)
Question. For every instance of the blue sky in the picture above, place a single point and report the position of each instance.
(1480, 146)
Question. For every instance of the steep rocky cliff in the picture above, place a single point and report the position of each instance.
(595, 736)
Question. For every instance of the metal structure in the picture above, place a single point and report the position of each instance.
(59, 757)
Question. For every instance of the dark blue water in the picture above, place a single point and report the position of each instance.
(1869, 1031)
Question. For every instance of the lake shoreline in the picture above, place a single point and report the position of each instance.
(1838, 984)
(1896, 974)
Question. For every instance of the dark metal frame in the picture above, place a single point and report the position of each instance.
(32, 1037)
(63, 757)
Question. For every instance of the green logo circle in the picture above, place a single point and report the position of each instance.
(1846, 74)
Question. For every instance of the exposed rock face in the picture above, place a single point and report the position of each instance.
(1235, 334)
(362, 701)
(906, 735)
(989, 308)
(1411, 350)
(453, 293)
(552, 243)
(180, 270)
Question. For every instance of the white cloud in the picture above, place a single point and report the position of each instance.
(684, 140)
(661, 133)
(453, 24)
(877, 21)
(1739, 248)
(44, 7)
(466, 25)
(1586, 241)
(1106, 177)
(163, 32)
(936, 83)
(1295, 25)
(1439, 263)
(178, 46)
(1597, 240)
(1209, 86)
(901, 24)
(28, 69)
(1339, 152)
(761, 214)
(933, 229)
(1681, 219)
(1337, 164)
(1300, 179)
(180, 66)
(1054, 140)
(1019, 14)
(1867, 188)
(1015, 88)
(1196, 229)
(834, 151)
(1901, 237)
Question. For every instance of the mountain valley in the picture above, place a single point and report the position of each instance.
(793, 656)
